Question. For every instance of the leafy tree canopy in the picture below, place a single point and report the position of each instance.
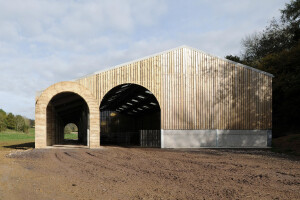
(2, 123)
(2, 113)
(277, 50)
(234, 58)
(19, 123)
(10, 121)
(280, 34)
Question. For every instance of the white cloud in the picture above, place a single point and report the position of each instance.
(17, 103)
(43, 42)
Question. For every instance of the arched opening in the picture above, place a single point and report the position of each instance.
(71, 133)
(130, 116)
(67, 108)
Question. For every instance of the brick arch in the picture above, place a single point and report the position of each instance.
(41, 111)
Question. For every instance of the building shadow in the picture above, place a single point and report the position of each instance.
(23, 146)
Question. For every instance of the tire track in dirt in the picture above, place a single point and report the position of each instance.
(74, 163)
(141, 168)
(143, 173)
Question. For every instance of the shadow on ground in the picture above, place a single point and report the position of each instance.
(23, 146)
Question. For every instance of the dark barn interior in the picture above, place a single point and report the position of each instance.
(65, 108)
(130, 116)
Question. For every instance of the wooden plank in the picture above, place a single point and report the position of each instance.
(195, 90)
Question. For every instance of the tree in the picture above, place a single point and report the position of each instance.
(2, 120)
(32, 123)
(19, 123)
(276, 50)
(73, 127)
(2, 113)
(275, 38)
(10, 121)
(25, 129)
(67, 130)
(291, 13)
(70, 128)
(234, 58)
(27, 121)
(291, 16)
(2, 123)
(286, 88)
(279, 35)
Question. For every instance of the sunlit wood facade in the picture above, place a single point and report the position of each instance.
(196, 91)
(204, 101)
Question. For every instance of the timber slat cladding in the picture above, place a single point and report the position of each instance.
(195, 90)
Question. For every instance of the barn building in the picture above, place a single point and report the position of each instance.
(180, 98)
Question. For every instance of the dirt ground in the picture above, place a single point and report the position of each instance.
(141, 173)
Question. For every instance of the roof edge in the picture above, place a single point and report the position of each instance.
(233, 62)
(132, 61)
(173, 49)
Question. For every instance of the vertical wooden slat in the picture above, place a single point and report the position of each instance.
(195, 90)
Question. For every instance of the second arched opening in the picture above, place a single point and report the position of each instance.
(130, 116)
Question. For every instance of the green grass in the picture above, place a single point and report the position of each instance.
(14, 135)
(10, 139)
(71, 136)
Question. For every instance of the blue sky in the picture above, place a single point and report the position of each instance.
(46, 41)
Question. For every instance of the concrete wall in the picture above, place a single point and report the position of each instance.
(215, 138)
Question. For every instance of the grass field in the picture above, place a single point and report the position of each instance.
(71, 136)
(14, 135)
(10, 139)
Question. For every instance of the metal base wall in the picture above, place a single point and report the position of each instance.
(216, 138)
